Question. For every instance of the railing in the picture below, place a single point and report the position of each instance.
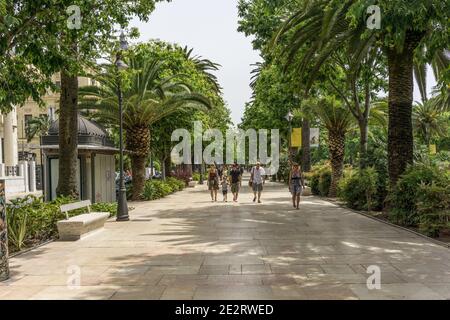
(12, 171)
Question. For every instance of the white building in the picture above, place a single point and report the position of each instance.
(19, 176)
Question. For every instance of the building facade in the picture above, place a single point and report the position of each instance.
(20, 160)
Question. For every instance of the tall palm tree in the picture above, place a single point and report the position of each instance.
(147, 100)
(338, 121)
(326, 26)
(204, 66)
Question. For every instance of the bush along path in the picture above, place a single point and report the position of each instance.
(419, 201)
(31, 221)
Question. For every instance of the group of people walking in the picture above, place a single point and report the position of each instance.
(226, 179)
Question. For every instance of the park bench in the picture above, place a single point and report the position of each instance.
(76, 227)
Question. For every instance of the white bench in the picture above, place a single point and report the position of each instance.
(73, 229)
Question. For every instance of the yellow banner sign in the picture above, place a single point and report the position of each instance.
(296, 138)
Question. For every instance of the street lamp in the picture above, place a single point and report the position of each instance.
(122, 205)
(289, 117)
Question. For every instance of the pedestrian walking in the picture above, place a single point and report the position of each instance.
(296, 184)
(213, 182)
(225, 189)
(257, 180)
(236, 178)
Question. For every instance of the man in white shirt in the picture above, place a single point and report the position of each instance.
(258, 179)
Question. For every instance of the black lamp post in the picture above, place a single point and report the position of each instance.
(289, 117)
(122, 206)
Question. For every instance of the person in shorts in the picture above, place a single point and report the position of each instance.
(235, 179)
(296, 185)
(257, 179)
(225, 189)
(213, 182)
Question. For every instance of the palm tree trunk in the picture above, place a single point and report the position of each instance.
(138, 143)
(68, 136)
(138, 169)
(401, 86)
(306, 146)
(337, 149)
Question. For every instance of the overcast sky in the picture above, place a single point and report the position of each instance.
(210, 27)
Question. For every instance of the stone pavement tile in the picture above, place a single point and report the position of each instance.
(43, 280)
(337, 268)
(139, 293)
(297, 269)
(285, 259)
(278, 279)
(19, 293)
(442, 289)
(183, 280)
(179, 292)
(235, 269)
(334, 278)
(232, 259)
(256, 269)
(355, 259)
(403, 291)
(234, 280)
(128, 270)
(122, 280)
(288, 292)
(328, 292)
(233, 292)
(214, 269)
(174, 270)
(79, 293)
(425, 277)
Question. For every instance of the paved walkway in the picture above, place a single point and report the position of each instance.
(185, 247)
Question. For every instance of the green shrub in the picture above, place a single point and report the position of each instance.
(433, 209)
(105, 207)
(404, 197)
(325, 182)
(32, 221)
(358, 189)
(175, 184)
(156, 189)
(315, 181)
(196, 176)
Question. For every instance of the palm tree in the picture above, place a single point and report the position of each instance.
(338, 121)
(429, 121)
(147, 100)
(204, 66)
(326, 26)
(37, 126)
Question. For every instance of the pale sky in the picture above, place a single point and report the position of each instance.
(210, 27)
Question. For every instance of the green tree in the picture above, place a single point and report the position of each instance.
(147, 99)
(338, 121)
(325, 26)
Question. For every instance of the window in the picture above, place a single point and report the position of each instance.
(51, 113)
(27, 119)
